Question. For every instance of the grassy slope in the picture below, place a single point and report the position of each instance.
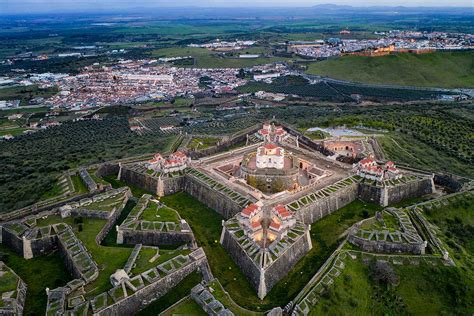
(418, 154)
(38, 273)
(206, 225)
(422, 290)
(440, 69)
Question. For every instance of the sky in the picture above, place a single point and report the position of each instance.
(38, 6)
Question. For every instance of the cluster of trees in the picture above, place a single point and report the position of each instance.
(30, 164)
(335, 91)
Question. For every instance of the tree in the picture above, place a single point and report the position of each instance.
(382, 272)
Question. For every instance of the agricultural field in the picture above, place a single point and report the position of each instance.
(27, 172)
(440, 69)
(329, 91)
(204, 58)
(26, 93)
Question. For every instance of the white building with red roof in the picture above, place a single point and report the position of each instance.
(369, 169)
(250, 218)
(270, 156)
(271, 133)
(175, 162)
(282, 220)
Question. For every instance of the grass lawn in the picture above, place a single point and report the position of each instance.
(147, 253)
(186, 307)
(108, 259)
(163, 214)
(38, 273)
(79, 185)
(202, 142)
(439, 69)
(206, 225)
(422, 290)
(8, 281)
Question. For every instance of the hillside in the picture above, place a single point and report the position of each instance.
(440, 69)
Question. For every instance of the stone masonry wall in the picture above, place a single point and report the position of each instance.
(409, 190)
(12, 241)
(213, 199)
(106, 169)
(43, 246)
(285, 262)
(238, 255)
(138, 300)
(322, 207)
(387, 247)
(370, 193)
(172, 185)
(155, 238)
(140, 180)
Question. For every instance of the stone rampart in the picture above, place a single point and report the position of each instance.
(155, 238)
(12, 241)
(219, 202)
(240, 257)
(107, 169)
(370, 193)
(409, 190)
(171, 185)
(325, 206)
(286, 261)
(138, 300)
(387, 246)
(138, 179)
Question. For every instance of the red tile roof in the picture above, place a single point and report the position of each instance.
(275, 225)
(250, 209)
(270, 146)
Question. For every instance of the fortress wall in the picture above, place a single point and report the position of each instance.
(395, 194)
(239, 256)
(140, 180)
(370, 193)
(112, 220)
(69, 263)
(12, 241)
(43, 246)
(138, 300)
(172, 185)
(308, 142)
(223, 145)
(213, 199)
(106, 169)
(410, 190)
(387, 247)
(155, 238)
(322, 207)
(286, 261)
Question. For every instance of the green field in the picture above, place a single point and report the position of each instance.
(38, 273)
(325, 237)
(205, 58)
(440, 69)
(26, 93)
(423, 289)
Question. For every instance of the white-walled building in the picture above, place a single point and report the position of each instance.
(270, 156)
